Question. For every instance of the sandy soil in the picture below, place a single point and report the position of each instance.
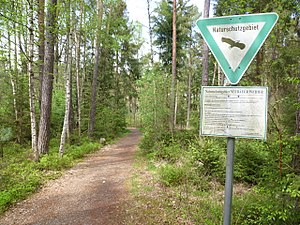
(93, 192)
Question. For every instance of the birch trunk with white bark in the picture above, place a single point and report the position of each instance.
(31, 86)
(68, 74)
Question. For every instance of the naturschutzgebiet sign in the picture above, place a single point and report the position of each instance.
(235, 40)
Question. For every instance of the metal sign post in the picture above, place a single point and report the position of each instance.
(229, 180)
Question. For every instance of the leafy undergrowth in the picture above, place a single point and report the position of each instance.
(20, 176)
(180, 180)
(154, 202)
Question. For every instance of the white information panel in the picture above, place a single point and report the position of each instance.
(234, 111)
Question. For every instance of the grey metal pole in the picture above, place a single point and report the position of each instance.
(229, 180)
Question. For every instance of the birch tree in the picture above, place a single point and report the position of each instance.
(78, 70)
(173, 83)
(150, 32)
(31, 84)
(96, 68)
(68, 74)
(41, 43)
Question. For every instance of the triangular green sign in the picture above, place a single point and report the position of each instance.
(235, 40)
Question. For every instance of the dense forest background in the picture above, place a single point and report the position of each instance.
(71, 74)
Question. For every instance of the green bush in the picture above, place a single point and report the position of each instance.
(169, 153)
(54, 162)
(209, 154)
(171, 175)
(263, 208)
(19, 180)
(251, 158)
(110, 122)
(76, 152)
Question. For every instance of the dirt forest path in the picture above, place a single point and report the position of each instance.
(93, 192)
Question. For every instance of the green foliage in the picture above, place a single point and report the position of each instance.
(250, 159)
(154, 111)
(263, 208)
(76, 152)
(54, 162)
(58, 112)
(207, 212)
(170, 153)
(162, 28)
(183, 161)
(210, 156)
(110, 122)
(172, 175)
(187, 160)
(5, 134)
(271, 167)
(17, 181)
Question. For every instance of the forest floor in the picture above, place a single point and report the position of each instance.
(93, 192)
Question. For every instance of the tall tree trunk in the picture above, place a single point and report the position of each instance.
(47, 85)
(84, 69)
(41, 43)
(17, 84)
(70, 62)
(176, 104)
(188, 114)
(96, 69)
(150, 32)
(78, 83)
(31, 85)
(205, 61)
(173, 68)
(66, 126)
(296, 157)
(12, 79)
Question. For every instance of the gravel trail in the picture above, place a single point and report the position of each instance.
(92, 192)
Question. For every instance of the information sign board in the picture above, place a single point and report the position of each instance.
(234, 111)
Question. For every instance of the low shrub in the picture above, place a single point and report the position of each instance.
(210, 156)
(251, 158)
(263, 208)
(54, 162)
(171, 175)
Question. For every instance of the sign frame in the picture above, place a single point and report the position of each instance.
(234, 76)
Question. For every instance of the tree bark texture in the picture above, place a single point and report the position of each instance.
(12, 80)
(150, 32)
(188, 113)
(47, 85)
(66, 126)
(296, 157)
(96, 70)
(205, 62)
(41, 43)
(31, 86)
(78, 70)
(173, 67)
(17, 83)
